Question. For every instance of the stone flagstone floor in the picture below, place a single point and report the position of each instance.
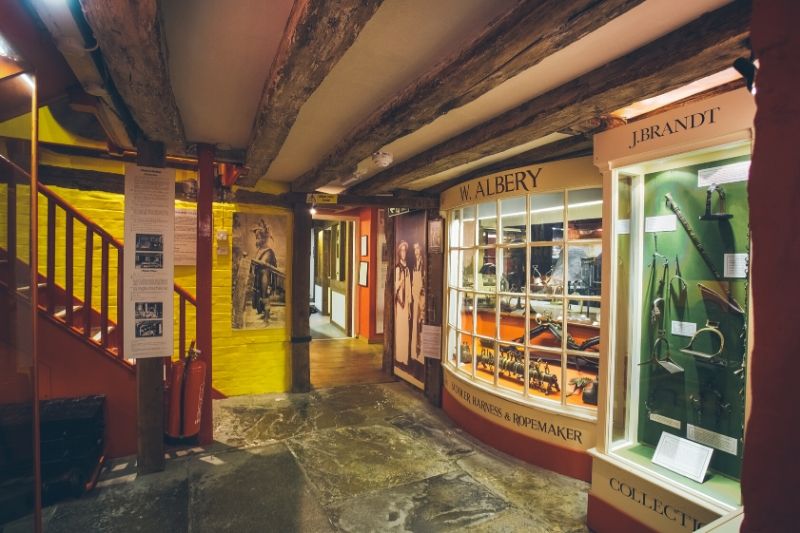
(357, 458)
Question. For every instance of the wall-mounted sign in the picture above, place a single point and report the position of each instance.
(394, 211)
(319, 198)
(148, 261)
(185, 237)
(556, 175)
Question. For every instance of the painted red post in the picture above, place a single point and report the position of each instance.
(51, 256)
(205, 225)
(104, 266)
(68, 268)
(87, 287)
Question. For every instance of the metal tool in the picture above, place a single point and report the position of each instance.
(712, 328)
(720, 214)
(699, 246)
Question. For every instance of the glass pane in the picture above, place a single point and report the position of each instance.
(547, 270)
(511, 371)
(545, 375)
(467, 266)
(487, 269)
(453, 303)
(486, 359)
(486, 317)
(582, 380)
(583, 265)
(585, 214)
(465, 353)
(512, 269)
(547, 217)
(584, 328)
(453, 266)
(622, 312)
(487, 224)
(547, 331)
(455, 228)
(468, 227)
(452, 345)
(466, 310)
(512, 218)
(512, 324)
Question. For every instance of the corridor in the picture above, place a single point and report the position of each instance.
(355, 458)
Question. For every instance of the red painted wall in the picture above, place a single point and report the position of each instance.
(771, 466)
(368, 224)
(69, 367)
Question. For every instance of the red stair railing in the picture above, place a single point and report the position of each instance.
(109, 335)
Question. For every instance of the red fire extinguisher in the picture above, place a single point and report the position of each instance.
(187, 384)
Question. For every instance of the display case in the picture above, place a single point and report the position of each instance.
(523, 293)
(675, 410)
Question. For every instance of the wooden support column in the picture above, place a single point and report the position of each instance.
(150, 371)
(205, 227)
(433, 311)
(388, 292)
(301, 271)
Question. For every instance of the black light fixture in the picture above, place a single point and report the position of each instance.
(748, 70)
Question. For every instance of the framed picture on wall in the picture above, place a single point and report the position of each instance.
(435, 229)
(363, 271)
(364, 245)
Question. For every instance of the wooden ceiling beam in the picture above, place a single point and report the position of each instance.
(131, 38)
(317, 35)
(521, 38)
(705, 46)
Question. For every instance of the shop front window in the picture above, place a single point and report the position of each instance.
(679, 346)
(529, 319)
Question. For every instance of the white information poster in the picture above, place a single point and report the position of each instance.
(148, 261)
(432, 341)
(683, 456)
(186, 237)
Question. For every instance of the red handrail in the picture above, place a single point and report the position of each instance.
(109, 335)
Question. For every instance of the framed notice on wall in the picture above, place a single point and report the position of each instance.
(363, 272)
(148, 261)
(364, 245)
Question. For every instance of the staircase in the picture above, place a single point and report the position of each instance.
(80, 320)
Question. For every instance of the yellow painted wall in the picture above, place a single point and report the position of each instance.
(244, 361)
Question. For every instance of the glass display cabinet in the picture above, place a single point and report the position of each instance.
(678, 323)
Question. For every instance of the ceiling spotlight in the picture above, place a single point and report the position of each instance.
(382, 159)
(313, 210)
(748, 71)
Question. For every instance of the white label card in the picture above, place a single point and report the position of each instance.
(719, 441)
(735, 265)
(624, 226)
(660, 223)
(724, 174)
(667, 421)
(683, 329)
(432, 341)
(683, 456)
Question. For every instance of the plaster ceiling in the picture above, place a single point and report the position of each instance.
(219, 60)
(639, 26)
(403, 40)
(220, 54)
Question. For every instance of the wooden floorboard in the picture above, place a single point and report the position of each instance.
(338, 362)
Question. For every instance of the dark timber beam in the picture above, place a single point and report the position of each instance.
(521, 38)
(132, 41)
(317, 35)
(702, 47)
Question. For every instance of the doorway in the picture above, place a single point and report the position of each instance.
(332, 290)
